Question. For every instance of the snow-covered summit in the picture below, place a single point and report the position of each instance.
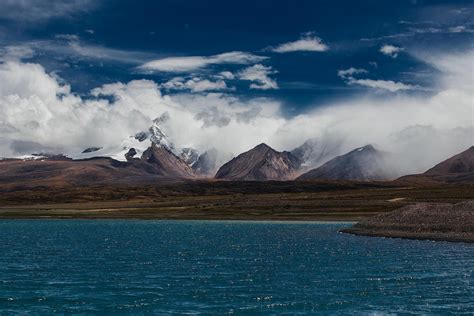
(158, 136)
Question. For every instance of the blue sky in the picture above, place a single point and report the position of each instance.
(232, 74)
(89, 43)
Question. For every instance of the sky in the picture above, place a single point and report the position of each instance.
(232, 74)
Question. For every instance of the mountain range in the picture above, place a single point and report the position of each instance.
(151, 156)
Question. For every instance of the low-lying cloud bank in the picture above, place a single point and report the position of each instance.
(38, 113)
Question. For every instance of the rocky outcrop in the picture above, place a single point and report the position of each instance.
(422, 221)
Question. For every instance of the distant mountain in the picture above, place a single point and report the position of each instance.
(206, 164)
(158, 136)
(52, 172)
(156, 164)
(189, 155)
(457, 169)
(363, 164)
(260, 163)
(314, 152)
(458, 164)
(165, 163)
(133, 146)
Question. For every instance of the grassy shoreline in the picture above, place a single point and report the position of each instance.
(285, 201)
(174, 214)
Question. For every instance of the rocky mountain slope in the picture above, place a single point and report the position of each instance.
(457, 169)
(156, 164)
(363, 164)
(260, 163)
(163, 162)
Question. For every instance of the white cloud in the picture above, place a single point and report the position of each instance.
(78, 48)
(195, 84)
(191, 63)
(71, 46)
(40, 10)
(259, 75)
(307, 43)
(347, 73)
(390, 50)
(226, 75)
(67, 37)
(38, 113)
(460, 29)
(389, 85)
(16, 52)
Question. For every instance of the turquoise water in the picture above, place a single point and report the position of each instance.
(243, 268)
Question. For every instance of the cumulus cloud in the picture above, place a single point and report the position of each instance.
(195, 84)
(191, 63)
(259, 75)
(390, 50)
(307, 43)
(39, 113)
(226, 75)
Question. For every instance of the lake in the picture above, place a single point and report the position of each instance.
(225, 267)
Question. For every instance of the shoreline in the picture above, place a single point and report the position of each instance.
(256, 221)
(422, 221)
(249, 202)
(435, 237)
(152, 214)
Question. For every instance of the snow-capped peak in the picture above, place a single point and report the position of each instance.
(158, 137)
(135, 144)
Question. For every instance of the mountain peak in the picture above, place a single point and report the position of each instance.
(262, 146)
(260, 163)
(365, 148)
(166, 163)
(159, 137)
(363, 163)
